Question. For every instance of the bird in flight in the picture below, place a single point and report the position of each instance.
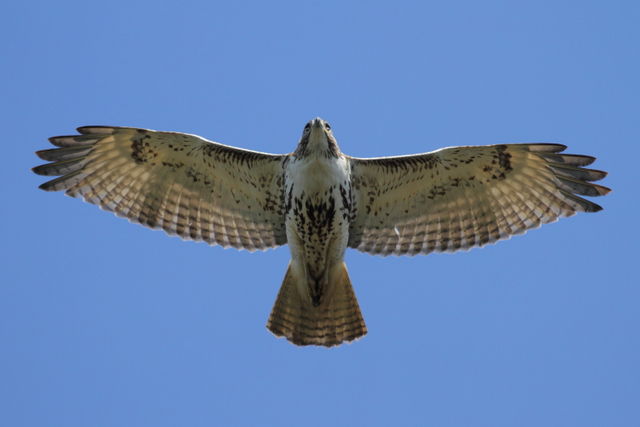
(320, 202)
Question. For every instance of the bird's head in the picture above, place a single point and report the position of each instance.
(317, 140)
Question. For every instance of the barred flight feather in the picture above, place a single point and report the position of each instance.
(461, 197)
(183, 184)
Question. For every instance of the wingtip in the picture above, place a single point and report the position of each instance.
(596, 207)
(591, 207)
(546, 147)
(96, 129)
(604, 190)
(38, 170)
(42, 154)
(45, 187)
(598, 174)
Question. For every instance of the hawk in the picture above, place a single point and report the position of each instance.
(320, 202)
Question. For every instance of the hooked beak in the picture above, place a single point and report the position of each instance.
(316, 123)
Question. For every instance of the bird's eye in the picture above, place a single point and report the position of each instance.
(307, 127)
(327, 126)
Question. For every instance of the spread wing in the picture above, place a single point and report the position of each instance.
(181, 183)
(461, 197)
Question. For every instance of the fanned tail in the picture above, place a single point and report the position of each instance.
(334, 321)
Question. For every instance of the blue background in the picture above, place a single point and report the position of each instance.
(103, 323)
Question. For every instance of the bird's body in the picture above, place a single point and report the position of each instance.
(318, 212)
(320, 201)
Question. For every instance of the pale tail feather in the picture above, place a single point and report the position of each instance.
(336, 320)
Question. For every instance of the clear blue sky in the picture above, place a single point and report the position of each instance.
(105, 323)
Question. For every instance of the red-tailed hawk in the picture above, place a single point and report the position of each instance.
(320, 201)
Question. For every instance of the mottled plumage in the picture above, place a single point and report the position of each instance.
(319, 202)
